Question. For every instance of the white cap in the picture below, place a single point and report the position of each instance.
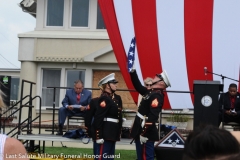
(164, 76)
(108, 79)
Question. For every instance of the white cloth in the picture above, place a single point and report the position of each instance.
(143, 139)
(100, 141)
(3, 138)
(111, 120)
(143, 118)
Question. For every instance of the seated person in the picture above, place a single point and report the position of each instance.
(74, 104)
(210, 142)
(229, 105)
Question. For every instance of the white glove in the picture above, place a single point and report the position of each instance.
(100, 141)
(133, 68)
(143, 139)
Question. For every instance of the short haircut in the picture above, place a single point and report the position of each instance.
(210, 142)
(78, 81)
(232, 85)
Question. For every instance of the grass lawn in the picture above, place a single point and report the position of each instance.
(124, 154)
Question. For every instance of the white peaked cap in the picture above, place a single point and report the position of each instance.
(164, 76)
(109, 78)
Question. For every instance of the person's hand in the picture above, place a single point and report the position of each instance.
(143, 139)
(82, 127)
(82, 108)
(70, 107)
(234, 113)
(132, 70)
(228, 112)
(100, 141)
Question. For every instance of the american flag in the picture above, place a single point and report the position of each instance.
(172, 140)
(131, 54)
(180, 36)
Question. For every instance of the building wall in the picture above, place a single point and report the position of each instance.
(67, 48)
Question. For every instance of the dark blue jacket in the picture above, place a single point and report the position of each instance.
(71, 98)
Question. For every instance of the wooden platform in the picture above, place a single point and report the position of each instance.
(47, 137)
(56, 138)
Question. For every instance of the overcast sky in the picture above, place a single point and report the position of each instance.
(12, 22)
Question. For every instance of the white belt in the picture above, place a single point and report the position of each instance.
(143, 118)
(111, 120)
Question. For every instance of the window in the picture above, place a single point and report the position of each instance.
(73, 75)
(51, 78)
(14, 88)
(55, 12)
(80, 13)
(100, 22)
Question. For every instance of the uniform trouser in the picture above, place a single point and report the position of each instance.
(145, 150)
(64, 112)
(107, 150)
(228, 118)
(96, 147)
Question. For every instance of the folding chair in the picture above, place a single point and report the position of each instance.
(74, 119)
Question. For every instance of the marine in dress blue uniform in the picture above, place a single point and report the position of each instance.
(89, 119)
(108, 118)
(144, 130)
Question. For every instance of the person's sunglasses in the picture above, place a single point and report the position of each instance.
(157, 81)
(148, 85)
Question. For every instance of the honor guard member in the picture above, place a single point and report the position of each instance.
(89, 122)
(89, 119)
(108, 117)
(144, 130)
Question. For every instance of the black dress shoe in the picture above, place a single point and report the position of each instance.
(59, 133)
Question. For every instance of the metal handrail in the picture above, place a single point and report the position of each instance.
(54, 97)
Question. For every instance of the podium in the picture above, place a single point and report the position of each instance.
(206, 95)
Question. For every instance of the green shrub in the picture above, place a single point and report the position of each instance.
(177, 116)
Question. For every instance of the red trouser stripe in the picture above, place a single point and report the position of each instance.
(100, 152)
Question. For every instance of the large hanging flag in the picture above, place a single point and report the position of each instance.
(180, 36)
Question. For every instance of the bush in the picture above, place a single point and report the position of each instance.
(177, 116)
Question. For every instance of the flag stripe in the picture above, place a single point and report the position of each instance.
(198, 38)
(145, 27)
(110, 21)
(226, 40)
(170, 22)
(127, 31)
(239, 80)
